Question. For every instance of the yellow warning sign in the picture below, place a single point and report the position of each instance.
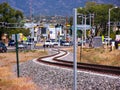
(24, 38)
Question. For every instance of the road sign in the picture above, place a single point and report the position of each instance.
(13, 37)
(82, 27)
(24, 38)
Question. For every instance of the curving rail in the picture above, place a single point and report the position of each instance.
(53, 60)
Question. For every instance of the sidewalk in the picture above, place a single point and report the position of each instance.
(68, 57)
(10, 48)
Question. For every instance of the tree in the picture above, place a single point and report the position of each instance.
(10, 15)
(101, 15)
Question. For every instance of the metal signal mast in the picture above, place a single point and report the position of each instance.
(31, 9)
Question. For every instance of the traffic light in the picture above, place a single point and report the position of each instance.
(58, 33)
(58, 25)
(3, 24)
(7, 25)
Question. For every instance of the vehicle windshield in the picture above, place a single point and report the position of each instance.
(47, 41)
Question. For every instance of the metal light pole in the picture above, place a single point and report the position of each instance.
(85, 18)
(75, 48)
(90, 19)
(85, 29)
(32, 37)
(82, 29)
(82, 42)
(109, 24)
(55, 33)
(91, 16)
(81, 39)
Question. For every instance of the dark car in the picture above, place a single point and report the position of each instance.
(11, 43)
(62, 42)
(3, 48)
(79, 43)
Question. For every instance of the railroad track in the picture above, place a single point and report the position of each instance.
(55, 60)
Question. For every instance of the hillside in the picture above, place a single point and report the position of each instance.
(52, 7)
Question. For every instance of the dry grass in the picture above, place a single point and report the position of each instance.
(98, 56)
(8, 81)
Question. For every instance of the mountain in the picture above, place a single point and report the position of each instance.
(52, 7)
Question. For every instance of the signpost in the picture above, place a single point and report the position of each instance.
(13, 37)
(17, 57)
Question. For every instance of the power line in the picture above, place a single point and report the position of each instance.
(10, 25)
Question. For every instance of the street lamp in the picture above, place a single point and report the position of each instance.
(109, 23)
(82, 29)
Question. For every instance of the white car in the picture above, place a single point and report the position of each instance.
(21, 46)
(28, 42)
(48, 43)
(55, 43)
(106, 40)
(66, 43)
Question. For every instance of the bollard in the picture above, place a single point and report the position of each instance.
(119, 46)
(113, 45)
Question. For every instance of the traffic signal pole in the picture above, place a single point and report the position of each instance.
(32, 37)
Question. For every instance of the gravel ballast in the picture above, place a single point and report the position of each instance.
(57, 78)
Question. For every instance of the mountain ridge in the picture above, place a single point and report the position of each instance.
(52, 7)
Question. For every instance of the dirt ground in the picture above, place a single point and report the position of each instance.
(101, 56)
(8, 80)
(10, 57)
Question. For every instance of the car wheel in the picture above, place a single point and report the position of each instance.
(3, 51)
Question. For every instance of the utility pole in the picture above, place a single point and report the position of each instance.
(90, 19)
(109, 22)
(32, 28)
(30, 7)
(85, 29)
(32, 37)
(75, 48)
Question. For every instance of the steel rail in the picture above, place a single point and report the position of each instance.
(85, 66)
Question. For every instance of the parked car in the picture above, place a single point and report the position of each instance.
(28, 42)
(55, 42)
(106, 40)
(62, 42)
(80, 43)
(22, 46)
(48, 43)
(66, 43)
(71, 43)
(3, 48)
(11, 43)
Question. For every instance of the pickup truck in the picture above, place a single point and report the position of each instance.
(48, 43)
